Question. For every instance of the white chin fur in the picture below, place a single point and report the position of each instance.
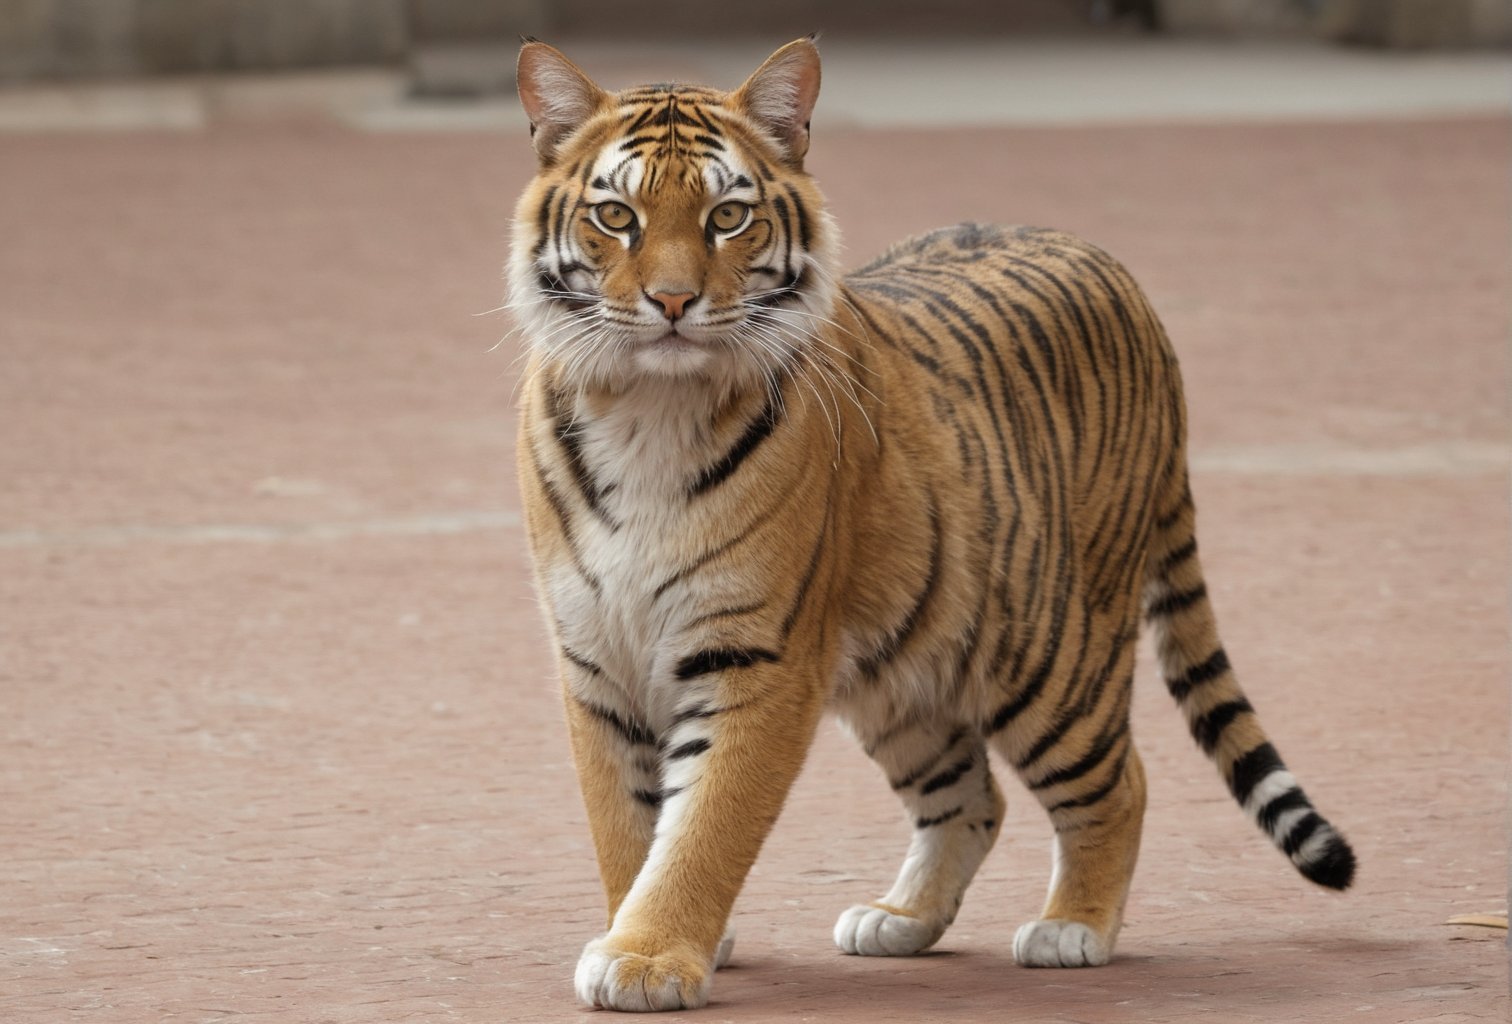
(680, 361)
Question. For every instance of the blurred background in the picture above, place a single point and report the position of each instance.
(402, 64)
(49, 39)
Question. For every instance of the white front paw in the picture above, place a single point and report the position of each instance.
(1058, 943)
(873, 931)
(726, 947)
(616, 979)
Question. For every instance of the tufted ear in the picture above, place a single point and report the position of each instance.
(557, 97)
(780, 95)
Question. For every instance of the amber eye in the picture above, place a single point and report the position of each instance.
(729, 216)
(615, 216)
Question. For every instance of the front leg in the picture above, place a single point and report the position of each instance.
(615, 755)
(743, 728)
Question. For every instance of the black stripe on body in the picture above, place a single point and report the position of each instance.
(1048, 659)
(889, 648)
(569, 436)
(1089, 799)
(564, 521)
(1059, 726)
(648, 797)
(581, 662)
(1006, 649)
(1098, 753)
(1016, 432)
(1091, 695)
(697, 711)
(631, 731)
(939, 819)
(809, 575)
(975, 342)
(931, 365)
(756, 432)
(1059, 610)
(713, 553)
(692, 748)
(719, 659)
(928, 766)
(1080, 308)
(1078, 699)
(732, 612)
(899, 727)
(949, 777)
(1009, 711)
(1061, 328)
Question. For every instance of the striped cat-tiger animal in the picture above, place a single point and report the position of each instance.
(933, 497)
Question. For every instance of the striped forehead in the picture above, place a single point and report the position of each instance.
(669, 137)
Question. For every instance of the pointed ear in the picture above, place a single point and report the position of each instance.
(780, 95)
(557, 97)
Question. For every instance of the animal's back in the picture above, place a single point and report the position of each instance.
(1040, 349)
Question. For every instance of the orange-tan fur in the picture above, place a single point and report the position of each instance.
(933, 498)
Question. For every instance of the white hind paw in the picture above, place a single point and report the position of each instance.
(1058, 943)
(617, 979)
(726, 947)
(875, 931)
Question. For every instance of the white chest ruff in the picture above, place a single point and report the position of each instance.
(624, 608)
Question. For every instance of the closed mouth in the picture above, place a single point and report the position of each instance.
(672, 341)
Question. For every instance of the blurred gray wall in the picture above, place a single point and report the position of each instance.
(61, 38)
(67, 38)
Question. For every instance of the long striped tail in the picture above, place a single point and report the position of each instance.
(1222, 721)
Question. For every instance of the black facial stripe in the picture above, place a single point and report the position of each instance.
(789, 288)
(805, 235)
(781, 206)
(543, 222)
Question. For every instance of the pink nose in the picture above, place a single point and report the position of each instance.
(673, 305)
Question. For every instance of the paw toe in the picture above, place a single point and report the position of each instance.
(618, 980)
(873, 931)
(1058, 943)
(726, 947)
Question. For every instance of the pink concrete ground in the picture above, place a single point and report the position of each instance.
(280, 742)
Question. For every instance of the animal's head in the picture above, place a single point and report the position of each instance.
(671, 230)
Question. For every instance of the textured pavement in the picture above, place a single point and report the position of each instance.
(281, 742)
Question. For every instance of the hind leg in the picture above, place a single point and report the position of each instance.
(1096, 845)
(1068, 738)
(941, 773)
